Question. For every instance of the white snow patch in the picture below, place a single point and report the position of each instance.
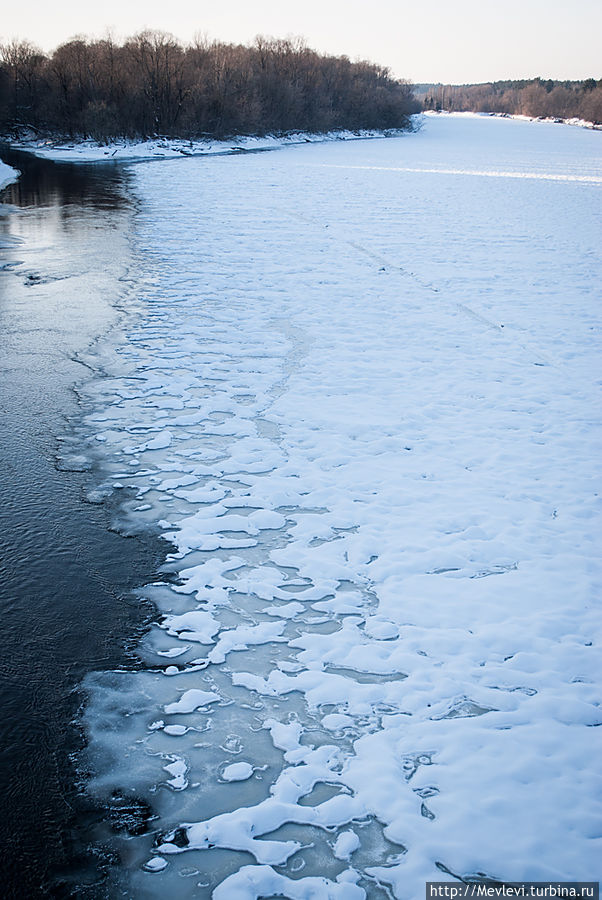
(253, 882)
(346, 843)
(237, 771)
(8, 175)
(191, 700)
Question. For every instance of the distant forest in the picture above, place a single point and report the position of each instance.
(537, 98)
(151, 85)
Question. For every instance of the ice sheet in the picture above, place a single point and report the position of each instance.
(360, 386)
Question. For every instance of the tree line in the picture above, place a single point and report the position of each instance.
(535, 97)
(151, 85)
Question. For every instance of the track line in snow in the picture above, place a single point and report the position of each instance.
(480, 173)
(383, 261)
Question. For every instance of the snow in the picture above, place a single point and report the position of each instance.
(8, 175)
(173, 148)
(237, 771)
(252, 882)
(191, 700)
(346, 844)
(580, 123)
(155, 864)
(378, 366)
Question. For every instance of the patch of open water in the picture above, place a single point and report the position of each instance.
(65, 574)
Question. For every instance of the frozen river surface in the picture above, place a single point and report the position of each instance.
(358, 387)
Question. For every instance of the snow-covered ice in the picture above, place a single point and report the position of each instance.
(359, 389)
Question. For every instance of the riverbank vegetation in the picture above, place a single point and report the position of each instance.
(151, 85)
(536, 97)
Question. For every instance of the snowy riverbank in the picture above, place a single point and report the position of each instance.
(167, 148)
(580, 123)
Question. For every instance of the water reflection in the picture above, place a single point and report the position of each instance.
(66, 186)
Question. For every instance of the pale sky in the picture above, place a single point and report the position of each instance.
(453, 41)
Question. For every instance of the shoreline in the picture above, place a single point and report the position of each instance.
(175, 148)
(546, 120)
(123, 150)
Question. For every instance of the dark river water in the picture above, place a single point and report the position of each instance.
(65, 576)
